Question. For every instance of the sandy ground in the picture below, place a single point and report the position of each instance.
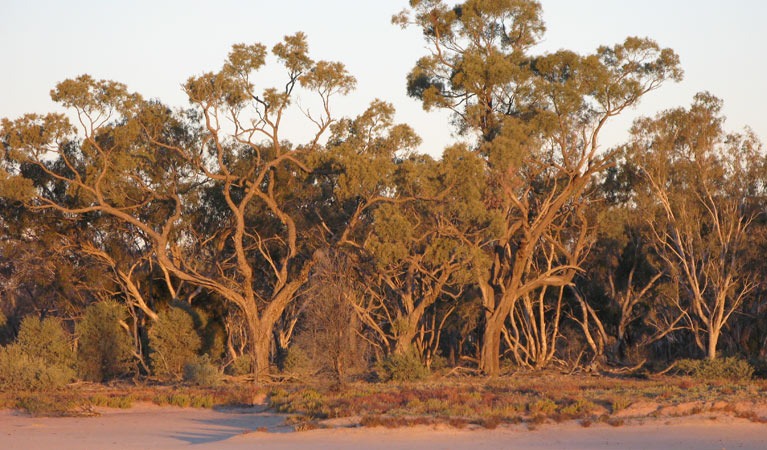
(148, 426)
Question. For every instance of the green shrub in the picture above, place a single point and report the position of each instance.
(439, 363)
(401, 367)
(20, 371)
(105, 348)
(180, 400)
(717, 369)
(174, 343)
(543, 407)
(202, 372)
(47, 340)
(212, 335)
(297, 362)
(579, 408)
(53, 405)
(202, 401)
(122, 402)
(241, 366)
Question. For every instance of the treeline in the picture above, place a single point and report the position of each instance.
(202, 231)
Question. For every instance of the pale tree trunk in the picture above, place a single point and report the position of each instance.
(489, 362)
(713, 339)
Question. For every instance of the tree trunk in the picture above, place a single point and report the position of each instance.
(713, 339)
(490, 363)
(260, 337)
(404, 340)
(262, 342)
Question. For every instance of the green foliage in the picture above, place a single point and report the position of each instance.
(401, 367)
(121, 402)
(47, 340)
(241, 366)
(20, 371)
(579, 408)
(544, 406)
(105, 349)
(174, 343)
(307, 401)
(619, 404)
(732, 368)
(212, 335)
(297, 362)
(180, 400)
(202, 372)
(53, 406)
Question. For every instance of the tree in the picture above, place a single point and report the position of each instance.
(230, 209)
(538, 120)
(417, 255)
(330, 334)
(708, 188)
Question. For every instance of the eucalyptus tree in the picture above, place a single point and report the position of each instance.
(417, 246)
(707, 187)
(378, 198)
(40, 269)
(624, 298)
(538, 120)
(157, 171)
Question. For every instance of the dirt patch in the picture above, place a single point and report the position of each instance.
(638, 409)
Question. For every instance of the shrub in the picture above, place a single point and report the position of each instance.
(122, 402)
(202, 372)
(579, 408)
(105, 348)
(180, 400)
(53, 405)
(47, 340)
(243, 365)
(297, 362)
(401, 367)
(202, 401)
(174, 343)
(619, 404)
(717, 369)
(543, 407)
(439, 363)
(22, 372)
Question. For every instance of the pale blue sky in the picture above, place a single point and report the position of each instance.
(153, 46)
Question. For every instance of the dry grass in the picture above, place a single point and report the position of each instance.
(531, 398)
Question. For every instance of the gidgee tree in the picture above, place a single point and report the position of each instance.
(538, 121)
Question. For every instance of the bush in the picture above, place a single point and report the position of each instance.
(47, 340)
(20, 371)
(105, 348)
(70, 405)
(717, 369)
(243, 365)
(212, 335)
(202, 372)
(174, 343)
(297, 362)
(401, 367)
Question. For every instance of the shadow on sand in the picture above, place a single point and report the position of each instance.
(230, 422)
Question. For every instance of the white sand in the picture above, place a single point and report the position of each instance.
(146, 426)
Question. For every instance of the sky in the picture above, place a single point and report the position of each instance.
(153, 46)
